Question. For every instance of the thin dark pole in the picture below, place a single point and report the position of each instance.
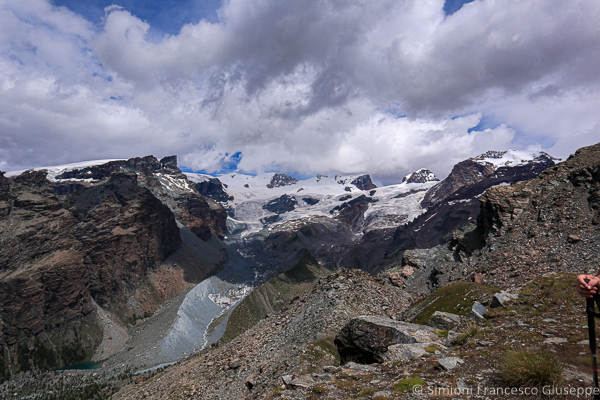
(591, 313)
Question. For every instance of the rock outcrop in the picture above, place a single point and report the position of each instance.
(364, 182)
(279, 180)
(421, 176)
(281, 204)
(529, 227)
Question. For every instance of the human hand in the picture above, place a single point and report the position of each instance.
(587, 289)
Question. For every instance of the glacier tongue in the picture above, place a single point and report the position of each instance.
(207, 301)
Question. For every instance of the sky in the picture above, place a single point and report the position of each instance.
(302, 87)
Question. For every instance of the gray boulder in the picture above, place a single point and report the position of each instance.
(502, 298)
(407, 352)
(449, 363)
(443, 320)
(477, 312)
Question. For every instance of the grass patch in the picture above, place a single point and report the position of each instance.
(409, 383)
(470, 331)
(431, 349)
(456, 298)
(319, 389)
(366, 392)
(530, 368)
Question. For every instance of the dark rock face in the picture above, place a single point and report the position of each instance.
(310, 200)
(466, 175)
(279, 180)
(281, 204)
(55, 258)
(270, 219)
(364, 182)
(213, 189)
(420, 176)
(125, 231)
(352, 212)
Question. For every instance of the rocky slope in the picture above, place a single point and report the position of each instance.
(447, 206)
(547, 224)
(297, 338)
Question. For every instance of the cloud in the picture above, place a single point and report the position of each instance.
(303, 86)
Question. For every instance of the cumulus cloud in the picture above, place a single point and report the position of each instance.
(303, 86)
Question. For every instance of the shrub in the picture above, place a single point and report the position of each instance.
(530, 368)
(471, 330)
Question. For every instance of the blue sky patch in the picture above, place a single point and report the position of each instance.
(486, 122)
(452, 6)
(164, 16)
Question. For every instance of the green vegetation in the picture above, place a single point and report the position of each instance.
(409, 383)
(530, 368)
(274, 295)
(319, 353)
(319, 389)
(442, 333)
(431, 349)
(456, 298)
(471, 330)
(366, 392)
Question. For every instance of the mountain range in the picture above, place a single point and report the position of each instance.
(133, 261)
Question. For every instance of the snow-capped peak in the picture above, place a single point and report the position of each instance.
(420, 176)
(56, 170)
(511, 158)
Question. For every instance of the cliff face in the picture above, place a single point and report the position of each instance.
(57, 258)
(203, 216)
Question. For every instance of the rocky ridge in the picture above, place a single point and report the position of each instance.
(547, 224)
(164, 179)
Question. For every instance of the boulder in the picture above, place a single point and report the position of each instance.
(444, 320)
(477, 312)
(500, 299)
(366, 339)
(449, 363)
